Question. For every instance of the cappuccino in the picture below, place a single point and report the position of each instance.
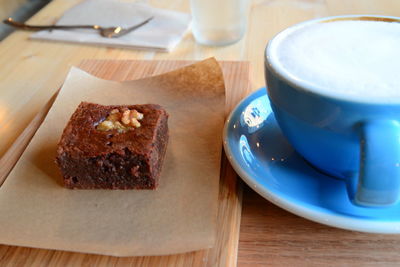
(357, 58)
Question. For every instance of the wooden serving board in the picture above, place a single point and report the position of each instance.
(224, 253)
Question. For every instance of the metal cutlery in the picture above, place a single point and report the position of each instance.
(108, 32)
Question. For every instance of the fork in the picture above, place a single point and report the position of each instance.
(109, 32)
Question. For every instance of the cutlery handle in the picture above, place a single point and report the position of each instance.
(24, 26)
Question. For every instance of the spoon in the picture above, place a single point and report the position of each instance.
(109, 32)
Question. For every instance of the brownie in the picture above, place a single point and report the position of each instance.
(92, 156)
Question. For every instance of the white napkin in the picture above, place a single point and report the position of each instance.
(163, 32)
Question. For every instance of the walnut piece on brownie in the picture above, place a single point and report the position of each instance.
(113, 147)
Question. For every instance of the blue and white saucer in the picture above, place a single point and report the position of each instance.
(264, 159)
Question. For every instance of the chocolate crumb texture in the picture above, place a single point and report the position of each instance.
(113, 147)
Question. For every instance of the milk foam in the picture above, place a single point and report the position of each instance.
(350, 58)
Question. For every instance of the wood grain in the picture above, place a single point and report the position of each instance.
(31, 71)
(8, 160)
(224, 252)
(270, 236)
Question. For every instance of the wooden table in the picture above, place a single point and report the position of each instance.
(31, 71)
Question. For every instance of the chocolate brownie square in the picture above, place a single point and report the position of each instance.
(113, 147)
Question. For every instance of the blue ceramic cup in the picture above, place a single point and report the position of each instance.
(357, 140)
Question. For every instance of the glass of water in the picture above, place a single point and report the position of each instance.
(219, 22)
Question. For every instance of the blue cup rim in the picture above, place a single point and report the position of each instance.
(272, 63)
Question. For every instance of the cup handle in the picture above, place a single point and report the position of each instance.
(379, 178)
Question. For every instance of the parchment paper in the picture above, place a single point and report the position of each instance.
(36, 211)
